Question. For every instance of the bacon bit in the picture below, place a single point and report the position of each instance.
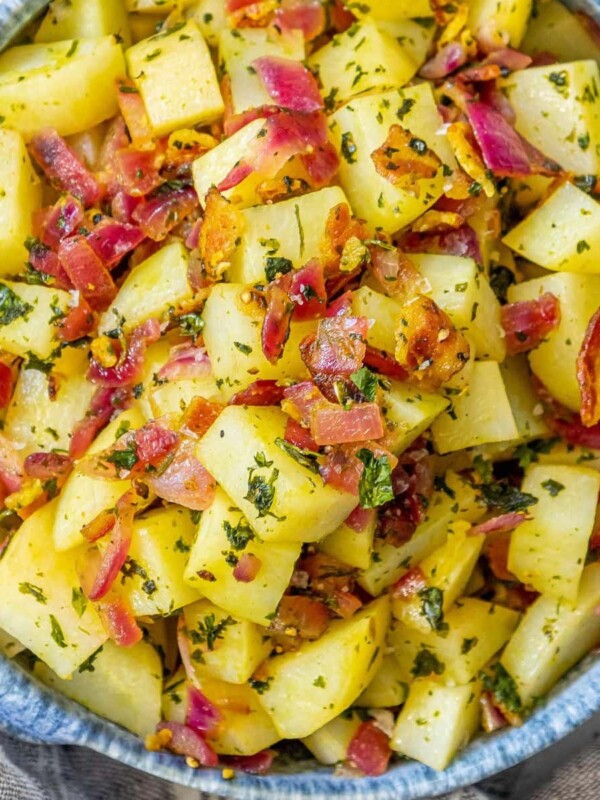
(501, 146)
(235, 176)
(186, 742)
(44, 260)
(149, 448)
(595, 540)
(448, 59)
(369, 750)
(410, 584)
(79, 321)
(341, 306)
(338, 348)
(257, 764)
(321, 164)
(46, 466)
(202, 716)
(219, 234)
(335, 425)
(461, 242)
(340, 227)
(131, 358)
(461, 140)
(99, 527)
(137, 171)
(62, 167)
(185, 481)
(199, 416)
(342, 469)
(158, 214)
(234, 122)
(298, 436)
(118, 621)
(123, 205)
(278, 317)
(395, 272)
(384, 363)
(6, 384)
(183, 148)
(428, 345)
(588, 372)
(289, 83)
(495, 549)
(112, 240)
(103, 404)
(259, 393)
(345, 604)
(527, 323)
(301, 616)
(305, 15)
(86, 272)
(116, 139)
(492, 719)
(54, 223)
(185, 362)
(131, 106)
(500, 524)
(434, 221)
(247, 568)
(11, 466)
(361, 518)
(307, 291)
(250, 13)
(300, 400)
(574, 432)
(404, 160)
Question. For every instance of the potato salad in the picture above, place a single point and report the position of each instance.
(300, 370)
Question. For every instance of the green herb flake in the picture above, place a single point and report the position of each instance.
(243, 348)
(366, 382)
(503, 688)
(552, 487)
(56, 632)
(79, 601)
(506, 498)
(306, 458)
(348, 147)
(426, 663)
(375, 485)
(35, 591)
(11, 306)
(88, 664)
(582, 246)
(239, 536)
(432, 607)
(468, 645)
(208, 630)
(276, 265)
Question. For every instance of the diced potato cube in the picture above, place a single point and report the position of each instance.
(41, 602)
(210, 16)
(151, 289)
(176, 78)
(476, 631)
(561, 234)
(82, 498)
(122, 684)
(329, 744)
(557, 30)
(152, 577)
(447, 571)
(479, 416)
(69, 86)
(548, 551)
(239, 48)
(553, 361)
(552, 637)
(456, 500)
(385, 313)
(459, 289)
(407, 413)
(351, 546)
(232, 336)
(322, 678)
(499, 23)
(362, 126)
(20, 196)
(143, 25)
(415, 36)
(40, 419)
(221, 646)
(360, 59)
(84, 19)
(161, 7)
(281, 499)
(255, 601)
(436, 722)
(291, 230)
(29, 318)
(212, 167)
(384, 10)
(524, 402)
(388, 688)
(557, 111)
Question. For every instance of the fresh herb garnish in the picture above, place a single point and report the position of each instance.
(432, 607)
(506, 498)
(209, 630)
(366, 382)
(239, 536)
(305, 458)
(426, 663)
(503, 688)
(375, 485)
(34, 591)
(56, 632)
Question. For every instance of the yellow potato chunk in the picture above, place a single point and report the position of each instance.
(557, 30)
(322, 678)
(29, 318)
(329, 744)
(407, 413)
(386, 11)
(41, 602)
(352, 547)
(210, 16)
(499, 23)
(122, 684)
(281, 499)
(84, 19)
(388, 688)
(176, 78)
(527, 411)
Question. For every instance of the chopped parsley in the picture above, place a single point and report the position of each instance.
(552, 487)
(506, 498)
(432, 607)
(191, 324)
(527, 454)
(260, 686)
(305, 458)
(243, 348)
(56, 632)
(468, 645)
(375, 485)
(88, 664)
(500, 279)
(124, 459)
(34, 591)
(320, 682)
(348, 148)
(261, 492)
(405, 108)
(426, 663)
(277, 265)
(209, 630)
(79, 601)
(366, 382)
(181, 547)
(12, 307)
(503, 688)
(239, 536)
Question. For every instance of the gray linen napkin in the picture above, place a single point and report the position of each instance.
(570, 770)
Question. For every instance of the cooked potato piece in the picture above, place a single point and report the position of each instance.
(557, 30)
(407, 413)
(322, 678)
(221, 534)
(436, 721)
(552, 637)
(548, 551)
(329, 744)
(476, 631)
(561, 234)
(122, 684)
(82, 498)
(29, 318)
(162, 7)
(557, 110)
(499, 23)
(414, 35)
(210, 16)
(553, 361)
(41, 602)
(84, 19)
(289, 231)
(383, 10)
(176, 78)
(152, 289)
(482, 414)
(351, 546)
(237, 51)
(456, 500)
(232, 336)
(20, 196)
(221, 646)
(527, 410)
(384, 313)
(387, 687)
(69, 85)
(361, 127)
(281, 499)
(152, 577)
(360, 59)
(447, 571)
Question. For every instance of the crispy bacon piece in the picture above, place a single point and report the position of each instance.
(104, 402)
(301, 616)
(79, 321)
(278, 317)
(338, 348)
(134, 453)
(495, 549)
(361, 518)
(289, 83)
(62, 167)
(395, 272)
(259, 393)
(54, 223)
(250, 13)
(299, 436)
(384, 363)
(183, 741)
(112, 240)
(301, 399)
(342, 469)
(162, 211)
(46, 261)
(333, 424)
(369, 750)
(307, 291)
(462, 141)
(428, 345)
(86, 272)
(6, 384)
(201, 716)
(527, 323)
(185, 481)
(305, 15)
(128, 368)
(404, 160)
(588, 372)
(461, 242)
(137, 171)
(220, 231)
(447, 60)
(199, 416)
(46, 466)
(434, 221)
(134, 114)
(492, 719)
(341, 306)
(410, 584)
(186, 361)
(258, 764)
(500, 524)
(340, 227)
(118, 620)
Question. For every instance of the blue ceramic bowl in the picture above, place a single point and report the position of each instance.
(31, 711)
